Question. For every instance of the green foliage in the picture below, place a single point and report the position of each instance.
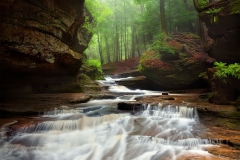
(214, 10)
(235, 9)
(200, 4)
(99, 11)
(224, 71)
(202, 75)
(138, 22)
(92, 68)
(94, 63)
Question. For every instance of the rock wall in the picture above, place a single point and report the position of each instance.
(222, 20)
(41, 45)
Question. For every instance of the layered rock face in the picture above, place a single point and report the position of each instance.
(41, 45)
(176, 62)
(222, 19)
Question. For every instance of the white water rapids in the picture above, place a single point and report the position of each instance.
(156, 132)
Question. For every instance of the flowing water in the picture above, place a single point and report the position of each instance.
(98, 131)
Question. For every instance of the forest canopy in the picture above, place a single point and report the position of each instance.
(125, 29)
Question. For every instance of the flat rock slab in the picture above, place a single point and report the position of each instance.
(35, 103)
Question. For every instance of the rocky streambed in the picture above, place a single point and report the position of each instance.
(220, 123)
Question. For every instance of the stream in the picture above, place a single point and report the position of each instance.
(97, 130)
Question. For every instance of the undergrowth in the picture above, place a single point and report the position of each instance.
(93, 69)
(225, 71)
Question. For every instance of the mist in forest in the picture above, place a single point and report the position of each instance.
(125, 29)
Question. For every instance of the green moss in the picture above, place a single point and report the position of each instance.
(230, 120)
(192, 35)
(200, 4)
(162, 47)
(232, 115)
(182, 55)
(171, 61)
(149, 55)
(83, 79)
(230, 123)
(235, 7)
(92, 68)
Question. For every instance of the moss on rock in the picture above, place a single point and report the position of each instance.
(92, 69)
(178, 70)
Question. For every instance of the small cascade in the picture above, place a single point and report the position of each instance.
(57, 112)
(60, 125)
(189, 143)
(70, 125)
(95, 132)
(171, 111)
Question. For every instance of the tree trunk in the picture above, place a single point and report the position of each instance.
(162, 18)
(201, 32)
(190, 26)
(139, 54)
(117, 44)
(117, 36)
(125, 32)
(133, 41)
(107, 49)
(169, 17)
(121, 44)
(100, 47)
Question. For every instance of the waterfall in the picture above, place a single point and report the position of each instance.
(155, 132)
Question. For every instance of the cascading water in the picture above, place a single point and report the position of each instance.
(155, 132)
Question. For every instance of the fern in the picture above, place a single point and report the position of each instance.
(225, 71)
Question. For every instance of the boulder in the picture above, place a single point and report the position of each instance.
(129, 106)
(41, 45)
(175, 62)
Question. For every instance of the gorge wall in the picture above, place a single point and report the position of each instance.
(222, 20)
(42, 44)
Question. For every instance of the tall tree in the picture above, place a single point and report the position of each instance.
(100, 47)
(163, 20)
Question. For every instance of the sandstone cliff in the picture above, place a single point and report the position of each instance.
(222, 20)
(41, 45)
